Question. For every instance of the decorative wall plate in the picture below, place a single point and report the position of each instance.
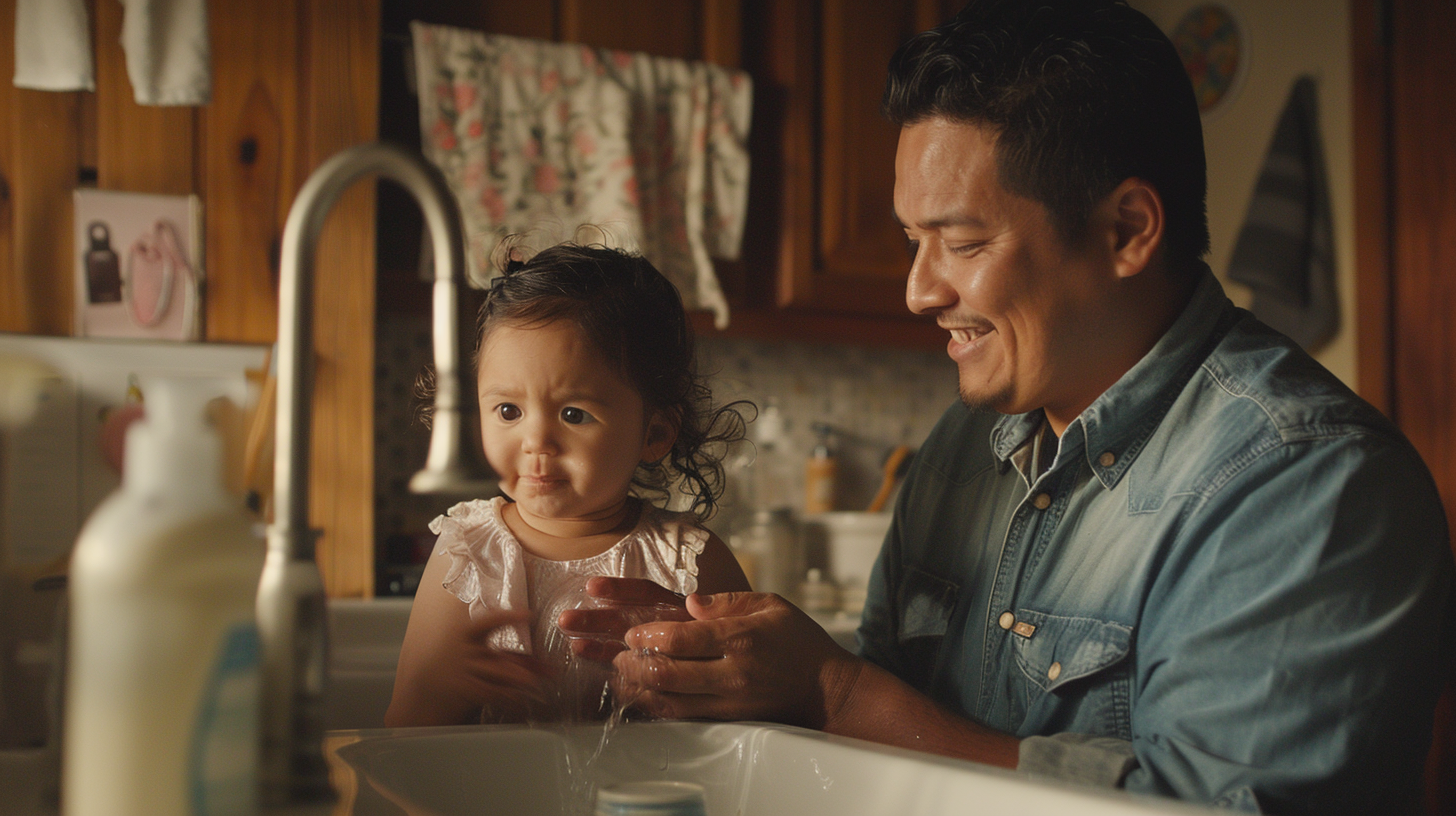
(1214, 48)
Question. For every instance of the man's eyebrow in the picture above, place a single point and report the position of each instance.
(960, 219)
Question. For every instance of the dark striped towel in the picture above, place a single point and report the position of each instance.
(1285, 251)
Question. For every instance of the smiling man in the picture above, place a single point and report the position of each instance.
(1156, 546)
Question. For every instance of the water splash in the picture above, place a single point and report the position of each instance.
(580, 693)
(825, 780)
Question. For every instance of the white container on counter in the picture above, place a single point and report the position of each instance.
(852, 541)
(162, 684)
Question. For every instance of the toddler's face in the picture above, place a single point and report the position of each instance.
(562, 428)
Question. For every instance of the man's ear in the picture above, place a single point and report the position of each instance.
(661, 434)
(1135, 211)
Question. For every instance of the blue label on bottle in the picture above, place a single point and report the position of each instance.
(223, 776)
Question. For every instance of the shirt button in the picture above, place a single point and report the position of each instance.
(1107, 459)
(1055, 671)
(1042, 501)
(1007, 620)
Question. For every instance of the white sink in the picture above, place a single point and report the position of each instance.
(746, 768)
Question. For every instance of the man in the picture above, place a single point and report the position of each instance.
(1158, 546)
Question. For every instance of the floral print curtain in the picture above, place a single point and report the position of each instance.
(555, 141)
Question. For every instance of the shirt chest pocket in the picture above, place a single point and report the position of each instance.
(1074, 673)
(926, 603)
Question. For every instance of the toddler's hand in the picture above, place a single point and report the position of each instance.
(507, 686)
(449, 676)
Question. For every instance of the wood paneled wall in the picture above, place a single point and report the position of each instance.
(40, 152)
(294, 81)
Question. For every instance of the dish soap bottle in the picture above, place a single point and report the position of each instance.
(820, 474)
(162, 689)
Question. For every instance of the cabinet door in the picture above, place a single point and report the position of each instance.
(839, 248)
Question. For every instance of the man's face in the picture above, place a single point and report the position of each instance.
(1019, 303)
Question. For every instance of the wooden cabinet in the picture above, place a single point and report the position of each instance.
(824, 63)
(823, 258)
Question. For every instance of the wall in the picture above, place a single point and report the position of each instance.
(1283, 40)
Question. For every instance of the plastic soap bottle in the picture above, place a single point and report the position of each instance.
(162, 687)
(820, 474)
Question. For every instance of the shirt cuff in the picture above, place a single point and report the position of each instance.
(1080, 758)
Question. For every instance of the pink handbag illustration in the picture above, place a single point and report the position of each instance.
(155, 265)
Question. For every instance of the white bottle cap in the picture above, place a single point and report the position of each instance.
(768, 429)
(661, 798)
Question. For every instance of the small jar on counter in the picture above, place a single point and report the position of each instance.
(770, 552)
(818, 596)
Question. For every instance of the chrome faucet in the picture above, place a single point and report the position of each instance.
(291, 602)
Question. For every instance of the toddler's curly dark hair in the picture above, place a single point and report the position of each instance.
(635, 318)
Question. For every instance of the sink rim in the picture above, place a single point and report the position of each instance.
(755, 736)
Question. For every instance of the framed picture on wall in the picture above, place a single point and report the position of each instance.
(138, 265)
(1214, 47)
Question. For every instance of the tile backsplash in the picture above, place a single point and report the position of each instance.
(874, 398)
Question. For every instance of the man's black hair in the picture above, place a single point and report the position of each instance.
(1081, 95)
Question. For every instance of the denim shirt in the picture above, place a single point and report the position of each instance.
(1232, 569)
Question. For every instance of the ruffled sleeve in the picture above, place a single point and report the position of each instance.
(671, 544)
(487, 569)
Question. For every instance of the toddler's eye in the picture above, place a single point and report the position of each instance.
(574, 416)
(508, 412)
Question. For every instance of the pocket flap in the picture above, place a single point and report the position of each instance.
(1061, 649)
(926, 604)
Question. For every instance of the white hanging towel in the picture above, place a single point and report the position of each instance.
(542, 139)
(53, 46)
(166, 44)
(167, 51)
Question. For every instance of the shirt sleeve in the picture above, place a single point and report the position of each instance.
(1082, 758)
(1290, 652)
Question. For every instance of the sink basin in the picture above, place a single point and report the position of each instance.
(745, 768)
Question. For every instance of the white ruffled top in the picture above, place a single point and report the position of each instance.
(490, 570)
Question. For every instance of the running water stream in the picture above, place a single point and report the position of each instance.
(581, 695)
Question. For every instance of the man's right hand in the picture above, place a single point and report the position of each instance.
(743, 656)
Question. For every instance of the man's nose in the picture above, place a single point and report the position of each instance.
(926, 290)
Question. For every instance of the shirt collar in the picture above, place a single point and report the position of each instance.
(1118, 424)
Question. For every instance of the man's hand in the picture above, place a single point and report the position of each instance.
(599, 633)
(754, 656)
(743, 656)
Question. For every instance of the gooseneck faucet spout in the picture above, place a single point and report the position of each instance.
(291, 603)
